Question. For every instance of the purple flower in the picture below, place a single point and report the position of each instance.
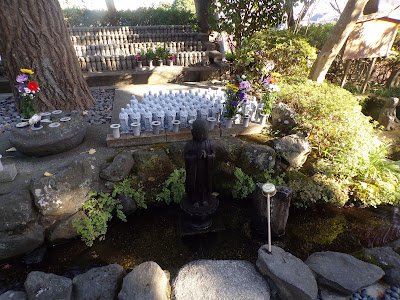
(244, 85)
(234, 102)
(243, 95)
(22, 78)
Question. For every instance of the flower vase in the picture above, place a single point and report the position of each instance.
(246, 120)
(140, 64)
(136, 128)
(211, 123)
(160, 62)
(156, 127)
(115, 130)
(175, 126)
(263, 119)
(37, 124)
(191, 123)
(229, 123)
(170, 62)
(151, 64)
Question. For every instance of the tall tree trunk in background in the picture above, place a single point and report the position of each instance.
(112, 12)
(203, 14)
(35, 36)
(336, 40)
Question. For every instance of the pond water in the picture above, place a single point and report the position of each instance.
(153, 235)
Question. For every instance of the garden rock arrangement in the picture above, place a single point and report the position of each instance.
(285, 276)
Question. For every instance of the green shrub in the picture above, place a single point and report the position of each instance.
(343, 140)
(244, 185)
(316, 35)
(126, 188)
(173, 188)
(98, 210)
(292, 55)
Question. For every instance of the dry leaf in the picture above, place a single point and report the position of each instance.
(7, 124)
(151, 179)
(151, 149)
(233, 134)
(217, 138)
(12, 149)
(85, 112)
(47, 174)
(92, 151)
(215, 194)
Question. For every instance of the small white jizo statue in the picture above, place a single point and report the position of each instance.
(124, 121)
(148, 117)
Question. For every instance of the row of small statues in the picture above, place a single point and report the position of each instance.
(191, 105)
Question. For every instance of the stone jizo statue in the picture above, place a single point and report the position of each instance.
(199, 161)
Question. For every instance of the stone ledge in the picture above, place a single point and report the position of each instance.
(184, 134)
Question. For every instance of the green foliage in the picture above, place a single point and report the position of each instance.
(292, 55)
(160, 52)
(244, 185)
(270, 176)
(98, 210)
(268, 101)
(150, 54)
(126, 188)
(317, 35)
(139, 17)
(184, 5)
(173, 188)
(344, 143)
(243, 17)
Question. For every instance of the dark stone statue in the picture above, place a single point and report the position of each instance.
(199, 162)
(199, 204)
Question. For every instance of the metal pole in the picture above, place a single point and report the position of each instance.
(1, 165)
(269, 222)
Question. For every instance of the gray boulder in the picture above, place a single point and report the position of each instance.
(147, 281)
(64, 230)
(13, 295)
(44, 286)
(98, 283)
(343, 272)
(293, 148)
(283, 118)
(219, 279)
(16, 243)
(176, 153)
(222, 151)
(48, 141)
(16, 209)
(65, 192)
(280, 204)
(258, 157)
(389, 260)
(120, 168)
(292, 277)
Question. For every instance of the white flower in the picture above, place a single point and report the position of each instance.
(243, 77)
(27, 91)
(34, 119)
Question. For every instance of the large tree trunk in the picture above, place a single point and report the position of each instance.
(112, 12)
(203, 14)
(336, 40)
(34, 36)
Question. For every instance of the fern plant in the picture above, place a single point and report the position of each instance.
(125, 188)
(98, 210)
(173, 188)
(244, 185)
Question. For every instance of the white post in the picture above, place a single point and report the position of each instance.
(268, 190)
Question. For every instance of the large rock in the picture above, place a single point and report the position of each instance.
(176, 153)
(219, 279)
(343, 272)
(387, 116)
(16, 209)
(280, 204)
(293, 148)
(63, 230)
(98, 283)
(48, 141)
(258, 157)
(389, 260)
(13, 295)
(222, 151)
(120, 168)
(22, 241)
(44, 286)
(283, 118)
(147, 281)
(292, 277)
(65, 192)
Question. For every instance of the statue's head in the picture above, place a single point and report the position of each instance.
(200, 130)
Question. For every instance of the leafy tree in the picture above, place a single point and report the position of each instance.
(242, 18)
(184, 4)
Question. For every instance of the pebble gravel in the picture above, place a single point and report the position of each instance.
(99, 113)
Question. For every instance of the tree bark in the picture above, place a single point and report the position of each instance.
(203, 14)
(336, 40)
(112, 12)
(35, 36)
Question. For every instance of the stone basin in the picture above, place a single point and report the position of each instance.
(48, 141)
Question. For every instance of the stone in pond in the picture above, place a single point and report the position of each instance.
(43, 286)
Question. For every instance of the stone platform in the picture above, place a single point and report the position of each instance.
(184, 134)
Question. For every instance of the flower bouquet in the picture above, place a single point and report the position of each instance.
(140, 54)
(171, 57)
(236, 96)
(160, 52)
(27, 89)
(270, 85)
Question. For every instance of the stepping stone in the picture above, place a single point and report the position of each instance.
(220, 279)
